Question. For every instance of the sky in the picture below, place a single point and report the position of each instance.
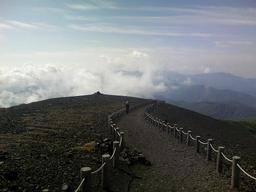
(68, 47)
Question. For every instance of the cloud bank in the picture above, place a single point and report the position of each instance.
(108, 74)
(127, 71)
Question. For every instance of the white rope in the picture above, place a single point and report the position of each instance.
(120, 142)
(112, 156)
(80, 185)
(99, 169)
(203, 143)
(215, 150)
(247, 174)
(225, 157)
(184, 133)
(192, 137)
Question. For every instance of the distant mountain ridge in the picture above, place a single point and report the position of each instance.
(216, 80)
(200, 93)
(219, 95)
(226, 81)
(231, 111)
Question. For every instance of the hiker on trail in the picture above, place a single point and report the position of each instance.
(127, 106)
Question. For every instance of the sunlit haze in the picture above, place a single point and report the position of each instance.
(62, 47)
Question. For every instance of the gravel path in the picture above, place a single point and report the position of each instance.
(175, 167)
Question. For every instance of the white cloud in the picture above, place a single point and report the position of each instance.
(32, 83)
(81, 7)
(208, 15)
(207, 70)
(133, 30)
(128, 71)
(108, 71)
(15, 24)
(93, 4)
(138, 54)
(23, 25)
(227, 44)
(5, 26)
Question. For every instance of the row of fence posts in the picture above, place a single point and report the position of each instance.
(106, 166)
(178, 133)
(108, 162)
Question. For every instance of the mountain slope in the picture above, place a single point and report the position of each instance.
(44, 150)
(232, 111)
(218, 103)
(199, 93)
(238, 138)
(215, 80)
(226, 81)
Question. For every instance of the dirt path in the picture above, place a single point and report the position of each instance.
(175, 167)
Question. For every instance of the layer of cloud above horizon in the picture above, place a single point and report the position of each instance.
(62, 48)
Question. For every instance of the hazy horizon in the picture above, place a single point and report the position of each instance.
(63, 47)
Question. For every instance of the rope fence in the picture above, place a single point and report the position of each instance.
(192, 137)
(109, 162)
(99, 169)
(208, 147)
(226, 158)
(80, 185)
(215, 150)
(244, 172)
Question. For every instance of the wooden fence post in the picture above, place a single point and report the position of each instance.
(235, 179)
(105, 171)
(181, 135)
(175, 132)
(109, 124)
(209, 150)
(122, 144)
(111, 128)
(197, 144)
(168, 128)
(219, 163)
(188, 137)
(85, 173)
(116, 156)
(160, 125)
(116, 133)
(113, 131)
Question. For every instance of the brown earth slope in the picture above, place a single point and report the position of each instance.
(41, 144)
(175, 167)
(237, 138)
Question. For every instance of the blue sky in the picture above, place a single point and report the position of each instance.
(53, 41)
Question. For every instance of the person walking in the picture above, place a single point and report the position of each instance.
(127, 106)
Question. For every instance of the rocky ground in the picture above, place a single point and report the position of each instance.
(42, 145)
(175, 167)
(238, 138)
